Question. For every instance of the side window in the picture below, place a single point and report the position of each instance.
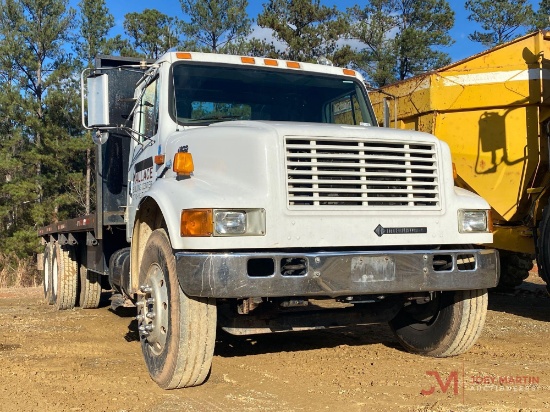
(149, 110)
(344, 110)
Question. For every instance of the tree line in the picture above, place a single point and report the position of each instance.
(46, 159)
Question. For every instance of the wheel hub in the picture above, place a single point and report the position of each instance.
(153, 310)
(424, 314)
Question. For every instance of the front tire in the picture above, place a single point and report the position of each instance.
(177, 332)
(448, 325)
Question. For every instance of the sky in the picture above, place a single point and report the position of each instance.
(461, 49)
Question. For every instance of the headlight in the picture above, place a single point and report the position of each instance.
(229, 222)
(472, 221)
(222, 222)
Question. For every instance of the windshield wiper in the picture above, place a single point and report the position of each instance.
(219, 118)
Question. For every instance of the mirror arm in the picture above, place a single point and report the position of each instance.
(126, 130)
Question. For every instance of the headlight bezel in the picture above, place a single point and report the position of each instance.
(223, 222)
(474, 221)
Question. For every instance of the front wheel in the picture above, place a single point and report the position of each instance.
(447, 325)
(177, 332)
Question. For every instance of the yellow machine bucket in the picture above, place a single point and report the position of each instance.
(492, 110)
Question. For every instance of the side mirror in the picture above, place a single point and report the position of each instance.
(97, 88)
(98, 101)
(99, 137)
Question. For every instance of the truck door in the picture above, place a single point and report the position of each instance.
(141, 170)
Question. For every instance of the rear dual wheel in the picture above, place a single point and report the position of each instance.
(64, 283)
(47, 273)
(90, 288)
(64, 276)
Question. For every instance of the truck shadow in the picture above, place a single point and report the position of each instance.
(530, 300)
(132, 335)
(229, 346)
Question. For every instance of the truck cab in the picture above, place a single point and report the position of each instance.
(263, 197)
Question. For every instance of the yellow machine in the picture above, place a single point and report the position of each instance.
(493, 110)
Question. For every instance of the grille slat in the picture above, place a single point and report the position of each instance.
(326, 172)
(397, 192)
(383, 165)
(360, 174)
(378, 157)
(356, 182)
(347, 148)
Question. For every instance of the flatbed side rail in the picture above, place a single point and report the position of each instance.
(79, 224)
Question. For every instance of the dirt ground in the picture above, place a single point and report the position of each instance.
(90, 360)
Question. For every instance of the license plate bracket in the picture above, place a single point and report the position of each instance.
(367, 269)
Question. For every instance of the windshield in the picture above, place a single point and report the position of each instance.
(207, 94)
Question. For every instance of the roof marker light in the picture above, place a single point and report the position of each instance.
(184, 55)
(271, 62)
(248, 60)
(349, 72)
(293, 65)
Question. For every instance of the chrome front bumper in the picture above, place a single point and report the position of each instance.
(332, 274)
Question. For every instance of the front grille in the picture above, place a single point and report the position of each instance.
(327, 172)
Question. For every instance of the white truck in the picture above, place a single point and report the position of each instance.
(258, 195)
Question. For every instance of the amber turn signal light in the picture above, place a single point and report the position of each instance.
(159, 159)
(183, 163)
(196, 222)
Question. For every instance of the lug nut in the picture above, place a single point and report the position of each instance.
(150, 301)
(150, 315)
(145, 289)
(146, 328)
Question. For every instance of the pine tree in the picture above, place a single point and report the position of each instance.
(501, 20)
(151, 32)
(373, 26)
(41, 115)
(309, 29)
(94, 23)
(215, 25)
(541, 19)
(402, 37)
